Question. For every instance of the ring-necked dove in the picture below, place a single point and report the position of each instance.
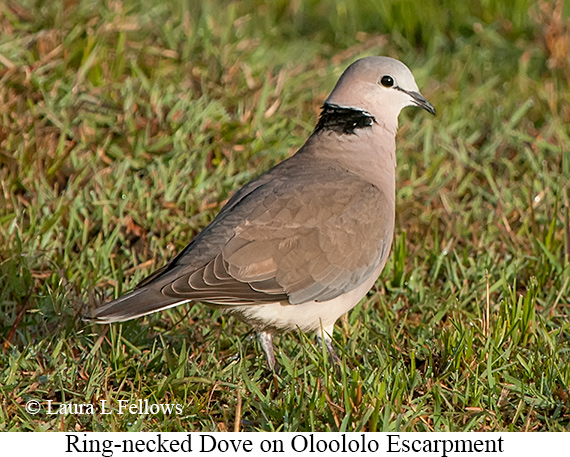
(302, 244)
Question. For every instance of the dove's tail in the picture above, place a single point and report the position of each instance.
(135, 304)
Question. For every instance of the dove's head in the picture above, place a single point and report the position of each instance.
(380, 86)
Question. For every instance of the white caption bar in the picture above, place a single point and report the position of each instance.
(298, 444)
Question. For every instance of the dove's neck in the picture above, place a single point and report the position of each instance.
(358, 143)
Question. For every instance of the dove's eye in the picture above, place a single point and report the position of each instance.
(387, 81)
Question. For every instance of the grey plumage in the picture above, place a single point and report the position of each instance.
(303, 243)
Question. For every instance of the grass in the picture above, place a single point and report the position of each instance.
(126, 125)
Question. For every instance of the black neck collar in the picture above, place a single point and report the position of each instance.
(343, 120)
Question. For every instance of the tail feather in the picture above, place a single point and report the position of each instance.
(137, 303)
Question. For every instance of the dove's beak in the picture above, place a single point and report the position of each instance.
(419, 100)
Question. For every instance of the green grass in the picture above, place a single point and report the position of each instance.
(126, 125)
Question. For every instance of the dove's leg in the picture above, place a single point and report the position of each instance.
(325, 337)
(266, 341)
